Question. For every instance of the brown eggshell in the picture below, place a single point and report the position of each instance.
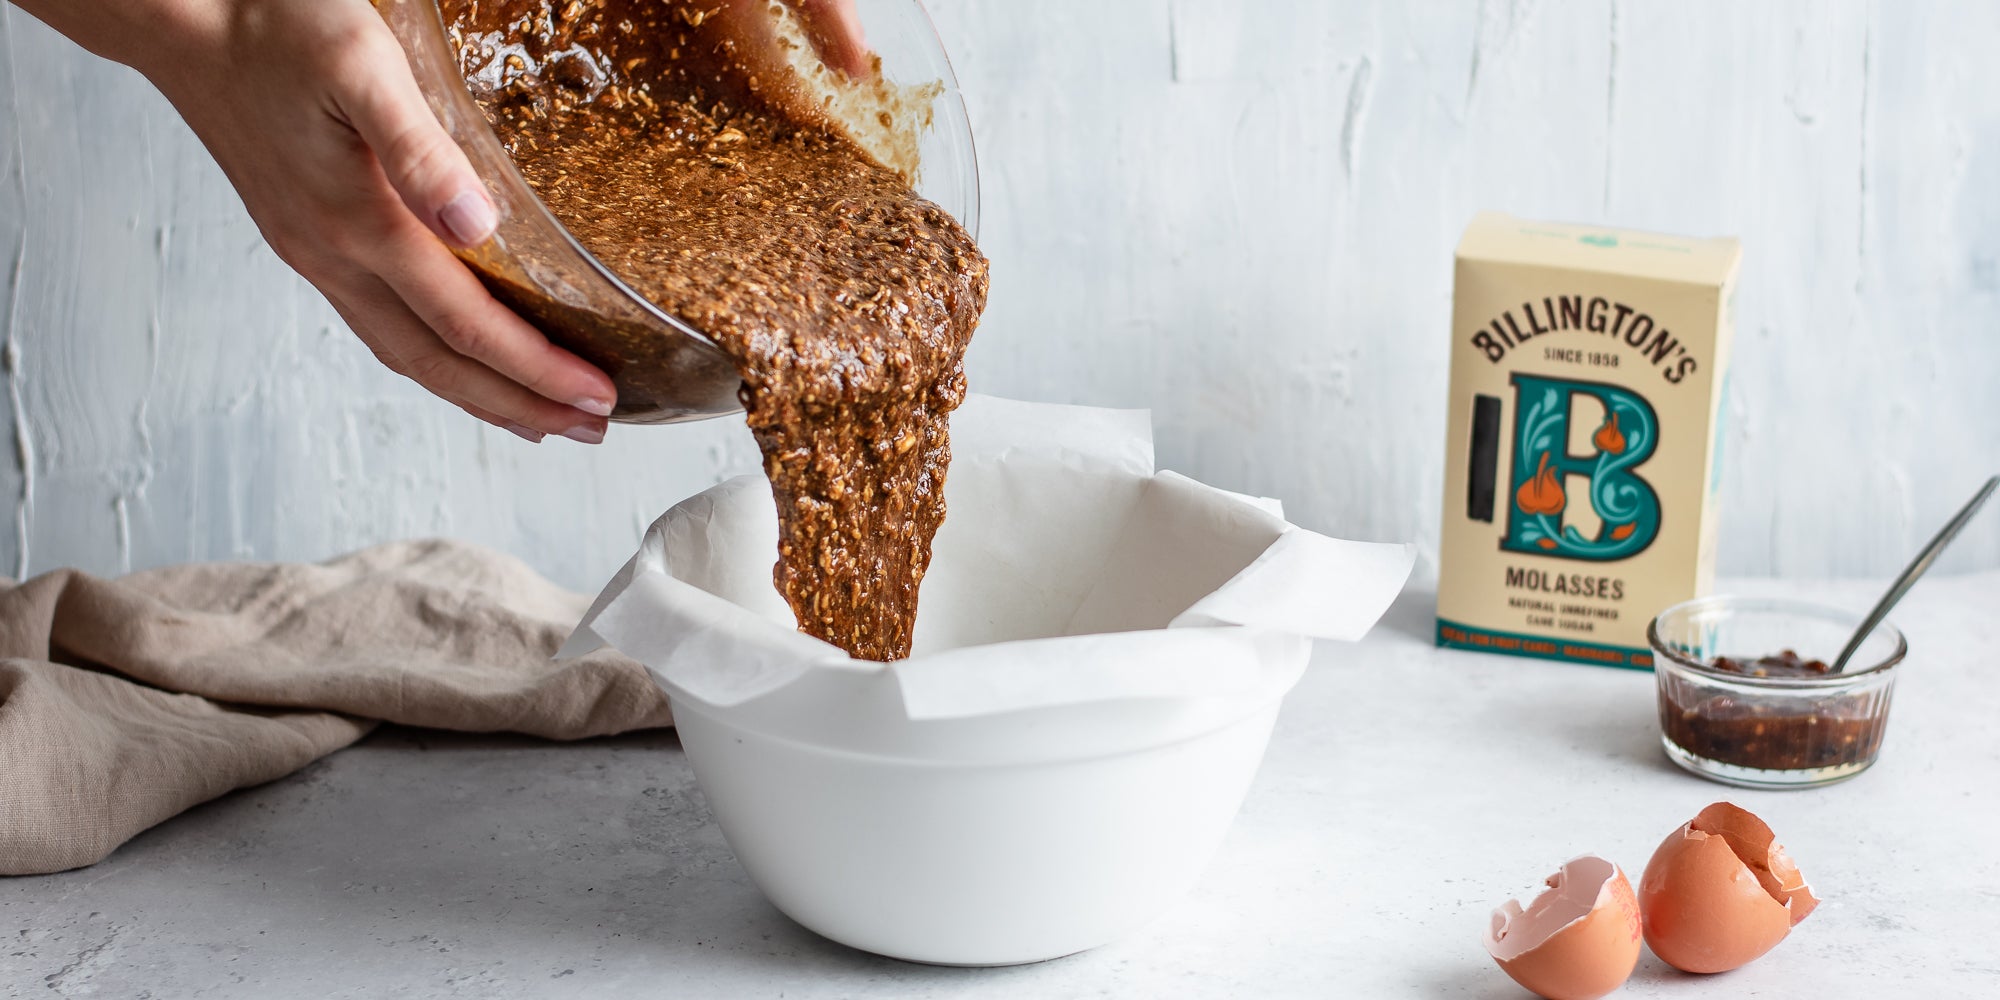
(1579, 940)
(1720, 892)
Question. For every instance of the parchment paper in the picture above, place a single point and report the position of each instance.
(1067, 571)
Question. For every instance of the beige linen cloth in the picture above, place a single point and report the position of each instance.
(124, 702)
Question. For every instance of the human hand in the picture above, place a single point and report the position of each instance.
(835, 29)
(313, 113)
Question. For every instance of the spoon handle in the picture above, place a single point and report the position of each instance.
(1916, 569)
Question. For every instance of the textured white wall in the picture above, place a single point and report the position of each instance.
(1239, 214)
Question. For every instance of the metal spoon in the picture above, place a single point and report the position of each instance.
(1916, 569)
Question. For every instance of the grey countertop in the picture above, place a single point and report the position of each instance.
(1407, 791)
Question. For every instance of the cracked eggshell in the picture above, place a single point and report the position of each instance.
(1579, 940)
(1720, 892)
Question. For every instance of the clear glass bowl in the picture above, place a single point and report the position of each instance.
(665, 369)
(1777, 731)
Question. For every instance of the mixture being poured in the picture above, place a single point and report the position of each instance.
(682, 157)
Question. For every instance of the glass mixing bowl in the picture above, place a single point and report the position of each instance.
(665, 369)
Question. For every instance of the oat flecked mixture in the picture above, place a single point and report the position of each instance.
(845, 300)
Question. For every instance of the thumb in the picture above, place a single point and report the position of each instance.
(427, 169)
(834, 27)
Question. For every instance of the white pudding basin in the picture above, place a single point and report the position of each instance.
(1101, 652)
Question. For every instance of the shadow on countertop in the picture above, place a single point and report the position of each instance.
(432, 861)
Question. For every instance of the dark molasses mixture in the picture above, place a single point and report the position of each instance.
(1785, 664)
(1784, 731)
(1750, 733)
(670, 141)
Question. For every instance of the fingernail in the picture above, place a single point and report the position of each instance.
(469, 217)
(525, 434)
(585, 433)
(594, 407)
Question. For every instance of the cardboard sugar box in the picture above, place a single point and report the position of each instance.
(1581, 452)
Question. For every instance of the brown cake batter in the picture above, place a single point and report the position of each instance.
(683, 158)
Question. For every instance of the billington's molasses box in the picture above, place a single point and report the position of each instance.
(1587, 367)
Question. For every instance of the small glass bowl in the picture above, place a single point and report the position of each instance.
(1770, 732)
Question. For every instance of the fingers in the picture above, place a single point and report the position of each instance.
(409, 347)
(379, 98)
(353, 182)
(446, 331)
(527, 434)
(457, 308)
(835, 29)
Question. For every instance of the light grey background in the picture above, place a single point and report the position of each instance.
(1239, 214)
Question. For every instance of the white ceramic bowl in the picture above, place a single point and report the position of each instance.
(1024, 831)
(1101, 654)
(965, 841)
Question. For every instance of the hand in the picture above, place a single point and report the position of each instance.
(311, 110)
(835, 30)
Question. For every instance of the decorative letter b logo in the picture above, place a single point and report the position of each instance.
(1627, 505)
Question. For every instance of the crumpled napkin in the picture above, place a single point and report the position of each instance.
(124, 702)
